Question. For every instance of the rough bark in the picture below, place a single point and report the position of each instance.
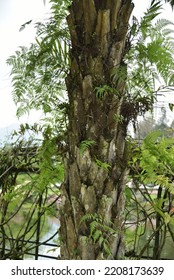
(98, 34)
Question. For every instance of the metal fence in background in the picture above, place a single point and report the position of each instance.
(35, 253)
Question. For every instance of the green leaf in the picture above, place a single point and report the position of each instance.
(23, 26)
(96, 235)
(103, 90)
(86, 144)
(171, 105)
(103, 165)
(167, 218)
(128, 194)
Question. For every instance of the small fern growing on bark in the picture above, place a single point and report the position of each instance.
(100, 231)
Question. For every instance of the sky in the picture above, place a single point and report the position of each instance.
(14, 13)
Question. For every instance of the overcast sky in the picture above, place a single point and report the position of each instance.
(14, 13)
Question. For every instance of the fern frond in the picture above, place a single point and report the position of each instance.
(86, 144)
(103, 165)
(103, 90)
(153, 137)
(96, 235)
(152, 12)
(151, 58)
(171, 2)
(100, 231)
(162, 23)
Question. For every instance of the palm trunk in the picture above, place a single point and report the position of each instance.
(96, 162)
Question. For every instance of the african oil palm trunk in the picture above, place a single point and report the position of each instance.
(95, 164)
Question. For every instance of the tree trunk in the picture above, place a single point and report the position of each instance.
(96, 165)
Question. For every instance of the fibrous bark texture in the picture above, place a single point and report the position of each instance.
(95, 164)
